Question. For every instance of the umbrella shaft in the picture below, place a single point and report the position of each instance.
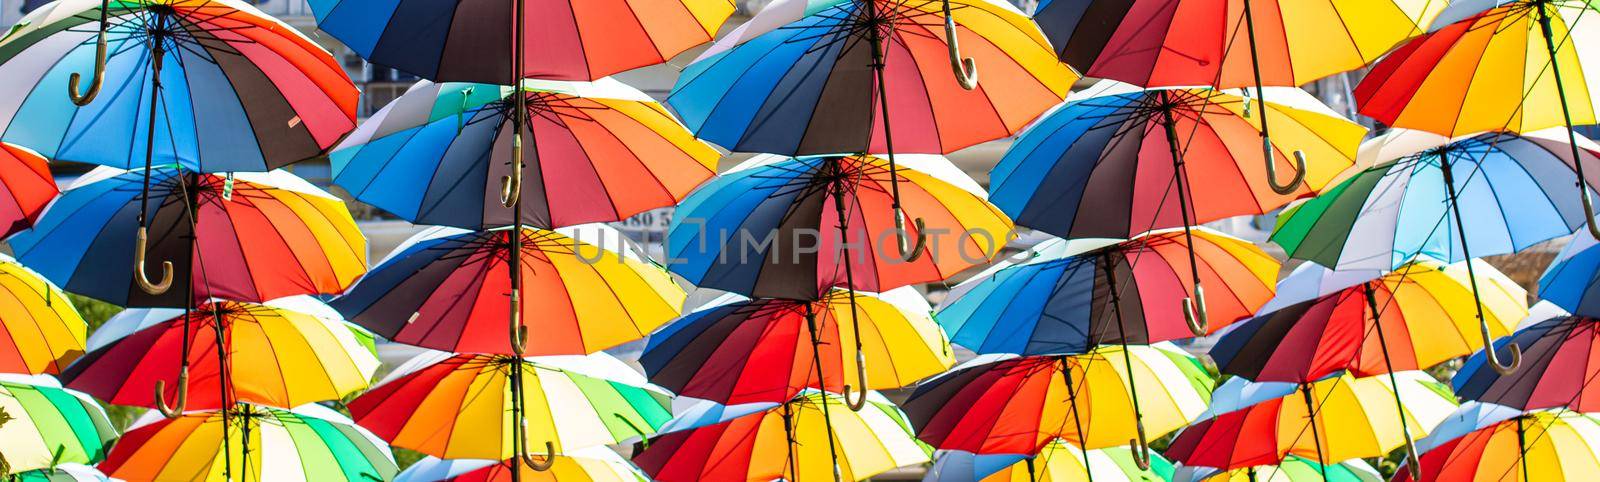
(816, 357)
(1388, 363)
(1461, 236)
(1255, 68)
(1561, 91)
(157, 53)
(1316, 436)
(875, 38)
(1122, 335)
(1522, 448)
(1180, 175)
(1077, 423)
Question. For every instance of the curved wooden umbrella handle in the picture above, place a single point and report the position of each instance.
(183, 395)
(519, 333)
(909, 250)
(98, 76)
(1141, 447)
(1588, 211)
(138, 267)
(856, 404)
(549, 458)
(511, 186)
(965, 69)
(1272, 171)
(1493, 359)
(1194, 311)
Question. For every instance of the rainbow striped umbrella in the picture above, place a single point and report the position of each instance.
(813, 438)
(40, 331)
(737, 351)
(596, 464)
(458, 40)
(800, 78)
(48, 425)
(275, 356)
(596, 151)
(446, 289)
(253, 237)
(239, 90)
(1292, 469)
(1544, 446)
(1058, 462)
(26, 186)
(309, 443)
(460, 406)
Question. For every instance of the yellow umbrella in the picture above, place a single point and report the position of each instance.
(1334, 419)
(793, 441)
(40, 332)
(1544, 446)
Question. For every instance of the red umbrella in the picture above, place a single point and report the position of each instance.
(25, 187)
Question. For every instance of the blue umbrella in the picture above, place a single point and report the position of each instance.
(1573, 279)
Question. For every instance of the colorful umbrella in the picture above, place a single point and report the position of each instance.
(1120, 293)
(308, 443)
(769, 350)
(462, 406)
(1227, 44)
(444, 289)
(776, 227)
(62, 473)
(263, 236)
(598, 464)
(997, 405)
(562, 39)
(804, 77)
(1572, 277)
(1338, 418)
(1555, 446)
(1369, 322)
(26, 186)
(1558, 371)
(274, 356)
(1490, 65)
(1292, 469)
(40, 331)
(789, 441)
(598, 151)
(1434, 82)
(45, 425)
(1505, 180)
(1058, 462)
(1106, 163)
(1381, 217)
(216, 85)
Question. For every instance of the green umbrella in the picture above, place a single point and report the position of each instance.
(49, 425)
(1293, 469)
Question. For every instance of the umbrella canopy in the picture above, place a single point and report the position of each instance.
(40, 331)
(1253, 424)
(447, 288)
(996, 405)
(46, 425)
(599, 151)
(1205, 42)
(565, 39)
(1555, 446)
(598, 464)
(769, 350)
(263, 236)
(1292, 469)
(1058, 462)
(1559, 365)
(790, 441)
(279, 357)
(308, 443)
(26, 186)
(1064, 304)
(1105, 164)
(458, 406)
(1418, 316)
(240, 90)
(776, 227)
(62, 473)
(798, 78)
(1573, 276)
(1518, 189)
(1486, 65)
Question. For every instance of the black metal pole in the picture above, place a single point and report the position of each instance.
(1077, 423)
(1561, 92)
(1388, 365)
(1181, 176)
(816, 357)
(1311, 419)
(1140, 449)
